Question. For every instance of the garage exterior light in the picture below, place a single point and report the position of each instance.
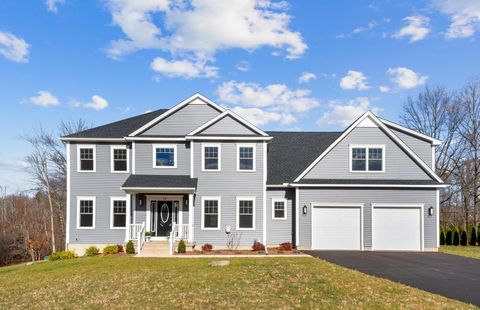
(430, 211)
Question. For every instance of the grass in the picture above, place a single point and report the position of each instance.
(467, 251)
(119, 282)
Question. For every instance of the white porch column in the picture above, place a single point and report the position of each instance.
(128, 220)
(191, 217)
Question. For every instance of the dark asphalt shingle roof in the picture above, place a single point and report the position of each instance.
(368, 181)
(289, 153)
(153, 181)
(119, 129)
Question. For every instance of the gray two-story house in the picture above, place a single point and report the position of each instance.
(202, 173)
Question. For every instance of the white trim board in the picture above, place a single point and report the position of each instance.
(154, 155)
(119, 198)
(119, 147)
(219, 222)
(254, 159)
(367, 148)
(412, 132)
(285, 208)
(94, 210)
(219, 156)
(254, 211)
(87, 146)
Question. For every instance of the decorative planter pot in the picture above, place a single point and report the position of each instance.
(148, 238)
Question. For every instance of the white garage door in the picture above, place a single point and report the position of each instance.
(336, 228)
(397, 228)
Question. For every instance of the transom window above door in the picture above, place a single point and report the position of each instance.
(211, 157)
(164, 156)
(369, 158)
(245, 157)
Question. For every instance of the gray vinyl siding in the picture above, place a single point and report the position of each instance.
(279, 230)
(183, 121)
(336, 164)
(422, 148)
(227, 126)
(144, 159)
(228, 184)
(140, 212)
(101, 184)
(367, 197)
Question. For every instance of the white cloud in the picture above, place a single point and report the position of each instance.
(464, 16)
(98, 103)
(405, 77)
(306, 77)
(354, 80)
(243, 66)
(13, 164)
(52, 5)
(345, 113)
(384, 89)
(417, 28)
(370, 26)
(277, 97)
(198, 29)
(259, 117)
(44, 99)
(13, 48)
(183, 68)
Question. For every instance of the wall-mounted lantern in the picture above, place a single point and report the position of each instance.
(304, 210)
(140, 201)
(430, 211)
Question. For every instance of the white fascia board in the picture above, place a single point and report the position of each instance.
(155, 138)
(373, 185)
(240, 138)
(432, 140)
(66, 139)
(174, 109)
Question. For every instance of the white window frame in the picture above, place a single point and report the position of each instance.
(274, 200)
(87, 146)
(112, 199)
(252, 198)
(219, 199)
(217, 145)
(154, 155)
(94, 210)
(367, 147)
(239, 145)
(112, 162)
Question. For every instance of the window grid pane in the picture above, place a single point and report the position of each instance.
(246, 158)
(211, 158)
(210, 214)
(279, 209)
(86, 213)
(165, 157)
(119, 160)
(245, 210)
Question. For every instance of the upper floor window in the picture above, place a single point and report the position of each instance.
(86, 213)
(119, 159)
(164, 156)
(279, 209)
(369, 158)
(211, 157)
(119, 213)
(246, 213)
(246, 157)
(86, 158)
(210, 212)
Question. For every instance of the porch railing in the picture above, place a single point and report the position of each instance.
(182, 232)
(173, 238)
(137, 233)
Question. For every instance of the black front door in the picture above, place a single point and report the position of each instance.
(164, 218)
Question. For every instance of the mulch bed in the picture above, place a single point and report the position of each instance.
(271, 251)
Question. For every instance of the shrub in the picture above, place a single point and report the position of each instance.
(92, 251)
(456, 236)
(110, 249)
(473, 235)
(130, 248)
(182, 248)
(120, 248)
(207, 247)
(448, 236)
(258, 246)
(61, 255)
(442, 235)
(463, 237)
(286, 246)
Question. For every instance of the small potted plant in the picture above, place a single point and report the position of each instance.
(148, 236)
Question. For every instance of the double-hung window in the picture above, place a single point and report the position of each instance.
(86, 213)
(86, 158)
(118, 213)
(279, 209)
(211, 157)
(164, 156)
(211, 212)
(245, 213)
(119, 159)
(245, 157)
(370, 158)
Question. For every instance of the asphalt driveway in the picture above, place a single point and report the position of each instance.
(452, 276)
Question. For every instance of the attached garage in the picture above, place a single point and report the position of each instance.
(337, 227)
(397, 227)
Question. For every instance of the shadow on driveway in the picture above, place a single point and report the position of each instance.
(452, 276)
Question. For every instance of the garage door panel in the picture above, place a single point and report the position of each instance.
(336, 228)
(397, 229)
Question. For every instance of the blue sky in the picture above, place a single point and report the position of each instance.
(284, 65)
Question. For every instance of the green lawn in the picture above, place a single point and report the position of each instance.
(468, 251)
(120, 282)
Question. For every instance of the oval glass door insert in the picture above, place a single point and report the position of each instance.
(164, 213)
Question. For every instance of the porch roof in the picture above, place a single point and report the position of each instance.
(154, 183)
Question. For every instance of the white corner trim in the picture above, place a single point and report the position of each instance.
(437, 207)
(219, 225)
(174, 109)
(192, 143)
(367, 157)
(112, 166)
(67, 229)
(252, 145)
(264, 215)
(279, 199)
(133, 156)
(254, 211)
(297, 216)
(219, 147)
(191, 217)
(94, 209)
(120, 198)
(154, 155)
(87, 146)
(412, 132)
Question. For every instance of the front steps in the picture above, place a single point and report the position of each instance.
(155, 249)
